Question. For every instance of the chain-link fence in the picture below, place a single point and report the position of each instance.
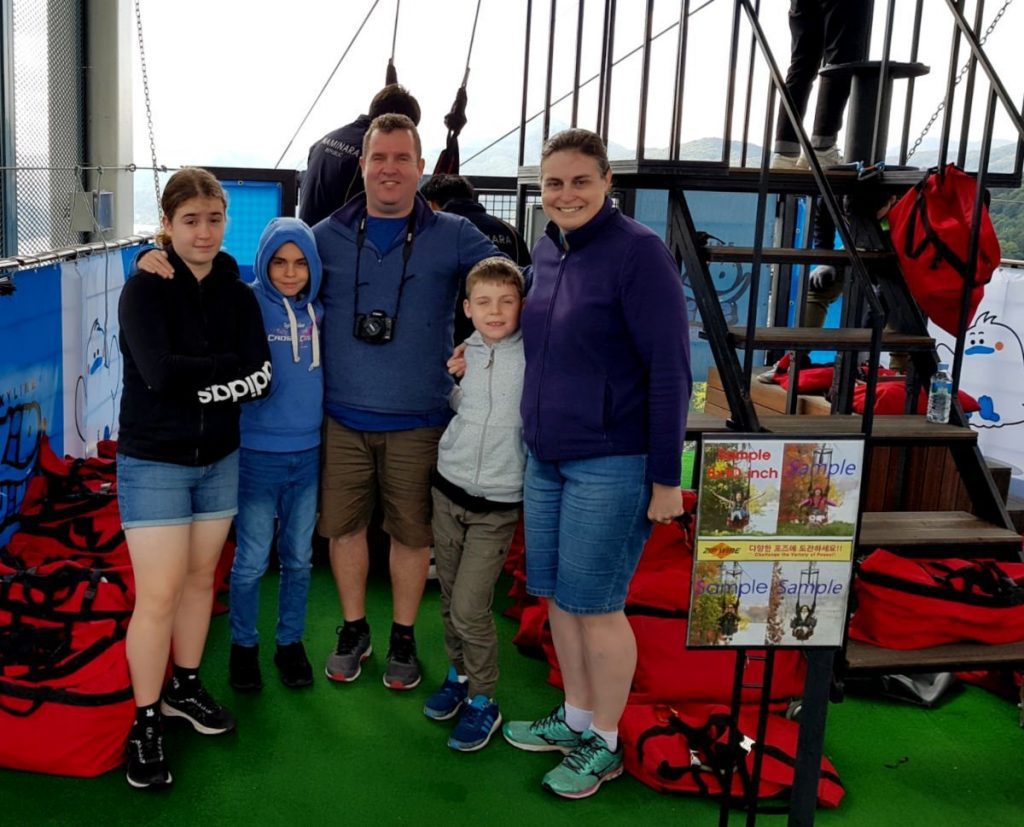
(47, 45)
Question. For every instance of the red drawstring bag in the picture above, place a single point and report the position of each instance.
(931, 230)
(689, 749)
(890, 398)
(907, 603)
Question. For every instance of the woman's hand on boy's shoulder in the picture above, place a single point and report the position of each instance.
(157, 263)
(457, 362)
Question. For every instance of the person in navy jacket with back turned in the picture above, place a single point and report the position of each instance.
(604, 410)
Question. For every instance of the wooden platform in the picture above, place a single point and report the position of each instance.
(864, 658)
(826, 338)
(909, 530)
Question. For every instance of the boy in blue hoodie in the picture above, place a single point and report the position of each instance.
(279, 463)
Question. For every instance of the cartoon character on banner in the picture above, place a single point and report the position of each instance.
(990, 341)
(730, 282)
(21, 428)
(98, 386)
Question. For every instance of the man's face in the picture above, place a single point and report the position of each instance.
(391, 172)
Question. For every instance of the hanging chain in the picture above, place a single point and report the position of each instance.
(149, 108)
(959, 77)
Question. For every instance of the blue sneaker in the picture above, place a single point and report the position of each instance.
(479, 720)
(445, 703)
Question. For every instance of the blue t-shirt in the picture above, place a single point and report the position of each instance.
(382, 232)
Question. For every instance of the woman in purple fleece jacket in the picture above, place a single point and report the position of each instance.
(604, 409)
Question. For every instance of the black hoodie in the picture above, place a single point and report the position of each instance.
(193, 350)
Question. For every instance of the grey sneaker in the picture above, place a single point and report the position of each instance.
(403, 670)
(546, 734)
(346, 662)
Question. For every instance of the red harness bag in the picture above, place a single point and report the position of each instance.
(913, 603)
(65, 696)
(931, 230)
(667, 671)
(690, 750)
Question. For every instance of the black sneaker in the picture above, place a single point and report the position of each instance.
(198, 707)
(293, 665)
(244, 668)
(147, 766)
(403, 671)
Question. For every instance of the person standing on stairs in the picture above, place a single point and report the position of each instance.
(822, 32)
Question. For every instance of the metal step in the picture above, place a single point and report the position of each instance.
(937, 533)
(791, 255)
(826, 338)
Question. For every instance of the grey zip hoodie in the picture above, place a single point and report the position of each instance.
(482, 448)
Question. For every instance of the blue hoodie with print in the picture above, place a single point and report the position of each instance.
(288, 419)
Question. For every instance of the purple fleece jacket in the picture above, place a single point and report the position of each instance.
(607, 347)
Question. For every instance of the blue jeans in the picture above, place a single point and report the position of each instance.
(151, 493)
(586, 525)
(284, 486)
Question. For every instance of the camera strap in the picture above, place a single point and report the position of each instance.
(410, 233)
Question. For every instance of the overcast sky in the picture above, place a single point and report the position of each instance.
(231, 80)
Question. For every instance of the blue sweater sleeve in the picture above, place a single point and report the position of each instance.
(655, 313)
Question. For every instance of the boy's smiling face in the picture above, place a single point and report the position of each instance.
(288, 270)
(494, 309)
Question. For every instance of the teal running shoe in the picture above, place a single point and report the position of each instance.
(547, 734)
(584, 769)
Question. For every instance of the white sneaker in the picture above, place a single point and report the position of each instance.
(780, 161)
(830, 157)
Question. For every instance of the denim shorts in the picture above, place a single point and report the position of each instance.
(161, 493)
(586, 525)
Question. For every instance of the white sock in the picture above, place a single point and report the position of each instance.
(578, 719)
(610, 738)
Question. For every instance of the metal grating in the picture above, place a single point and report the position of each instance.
(48, 104)
(502, 204)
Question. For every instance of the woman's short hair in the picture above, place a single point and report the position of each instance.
(186, 183)
(582, 141)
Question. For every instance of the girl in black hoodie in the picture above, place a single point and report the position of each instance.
(194, 349)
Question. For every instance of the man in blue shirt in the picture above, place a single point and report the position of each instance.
(392, 269)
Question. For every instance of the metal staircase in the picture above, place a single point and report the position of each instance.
(881, 316)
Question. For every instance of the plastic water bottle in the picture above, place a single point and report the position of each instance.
(940, 395)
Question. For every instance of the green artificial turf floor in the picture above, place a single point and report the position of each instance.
(360, 754)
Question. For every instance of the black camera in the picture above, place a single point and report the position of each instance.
(375, 327)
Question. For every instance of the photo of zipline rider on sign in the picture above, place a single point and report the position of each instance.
(776, 525)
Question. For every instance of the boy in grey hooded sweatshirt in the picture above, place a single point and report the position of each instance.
(477, 493)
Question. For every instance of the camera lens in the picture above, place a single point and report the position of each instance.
(372, 327)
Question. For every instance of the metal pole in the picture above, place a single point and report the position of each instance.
(972, 246)
(677, 97)
(965, 123)
(731, 93)
(579, 57)
(908, 107)
(947, 116)
(882, 99)
(520, 189)
(551, 63)
(645, 77)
